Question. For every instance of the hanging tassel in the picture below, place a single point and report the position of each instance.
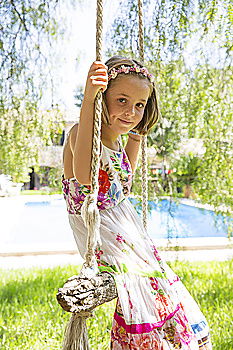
(76, 337)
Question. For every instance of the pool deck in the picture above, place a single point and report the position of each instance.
(59, 259)
(191, 249)
(202, 250)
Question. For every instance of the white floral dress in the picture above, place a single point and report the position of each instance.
(154, 310)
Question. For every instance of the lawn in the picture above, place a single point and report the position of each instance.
(30, 317)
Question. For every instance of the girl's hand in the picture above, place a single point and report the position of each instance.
(97, 79)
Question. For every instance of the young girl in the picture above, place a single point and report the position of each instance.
(154, 310)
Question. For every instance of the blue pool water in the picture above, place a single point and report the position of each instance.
(43, 224)
(169, 219)
(166, 218)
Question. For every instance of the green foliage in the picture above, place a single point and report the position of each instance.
(26, 25)
(214, 126)
(186, 174)
(31, 319)
(28, 30)
(53, 177)
(23, 132)
(209, 284)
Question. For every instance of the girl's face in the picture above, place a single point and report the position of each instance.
(126, 99)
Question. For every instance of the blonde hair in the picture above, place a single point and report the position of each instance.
(151, 112)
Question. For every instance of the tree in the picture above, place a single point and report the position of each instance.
(28, 30)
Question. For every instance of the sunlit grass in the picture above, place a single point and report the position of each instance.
(39, 192)
(30, 317)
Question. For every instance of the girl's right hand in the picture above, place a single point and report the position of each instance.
(97, 79)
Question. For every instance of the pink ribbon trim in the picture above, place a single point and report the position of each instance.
(143, 327)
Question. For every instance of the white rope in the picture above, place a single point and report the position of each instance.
(90, 212)
(76, 337)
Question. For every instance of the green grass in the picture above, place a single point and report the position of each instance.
(30, 317)
(39, 192)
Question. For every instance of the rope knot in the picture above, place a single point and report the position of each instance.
(83, 314)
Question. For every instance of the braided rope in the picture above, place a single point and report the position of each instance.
(144, 138)
(140, 31)
(90, 212)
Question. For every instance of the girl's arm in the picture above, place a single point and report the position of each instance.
(132, 149)
(97, 79)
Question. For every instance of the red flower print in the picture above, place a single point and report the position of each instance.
(154, 283)
(66, 188)
(98, 253)
(125, 165)
(104, 183)
(156, 253)
(162, 299)
(120, 239)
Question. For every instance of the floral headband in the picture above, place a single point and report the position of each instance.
(126, 69)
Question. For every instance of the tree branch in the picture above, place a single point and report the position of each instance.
(83, 294)
(19, 15)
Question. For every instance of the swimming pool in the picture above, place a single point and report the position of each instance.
(168, 219)
(40, 223)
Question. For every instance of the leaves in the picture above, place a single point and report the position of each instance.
(26, 36)
(23, 132)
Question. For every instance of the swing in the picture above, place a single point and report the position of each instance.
(81, 294)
